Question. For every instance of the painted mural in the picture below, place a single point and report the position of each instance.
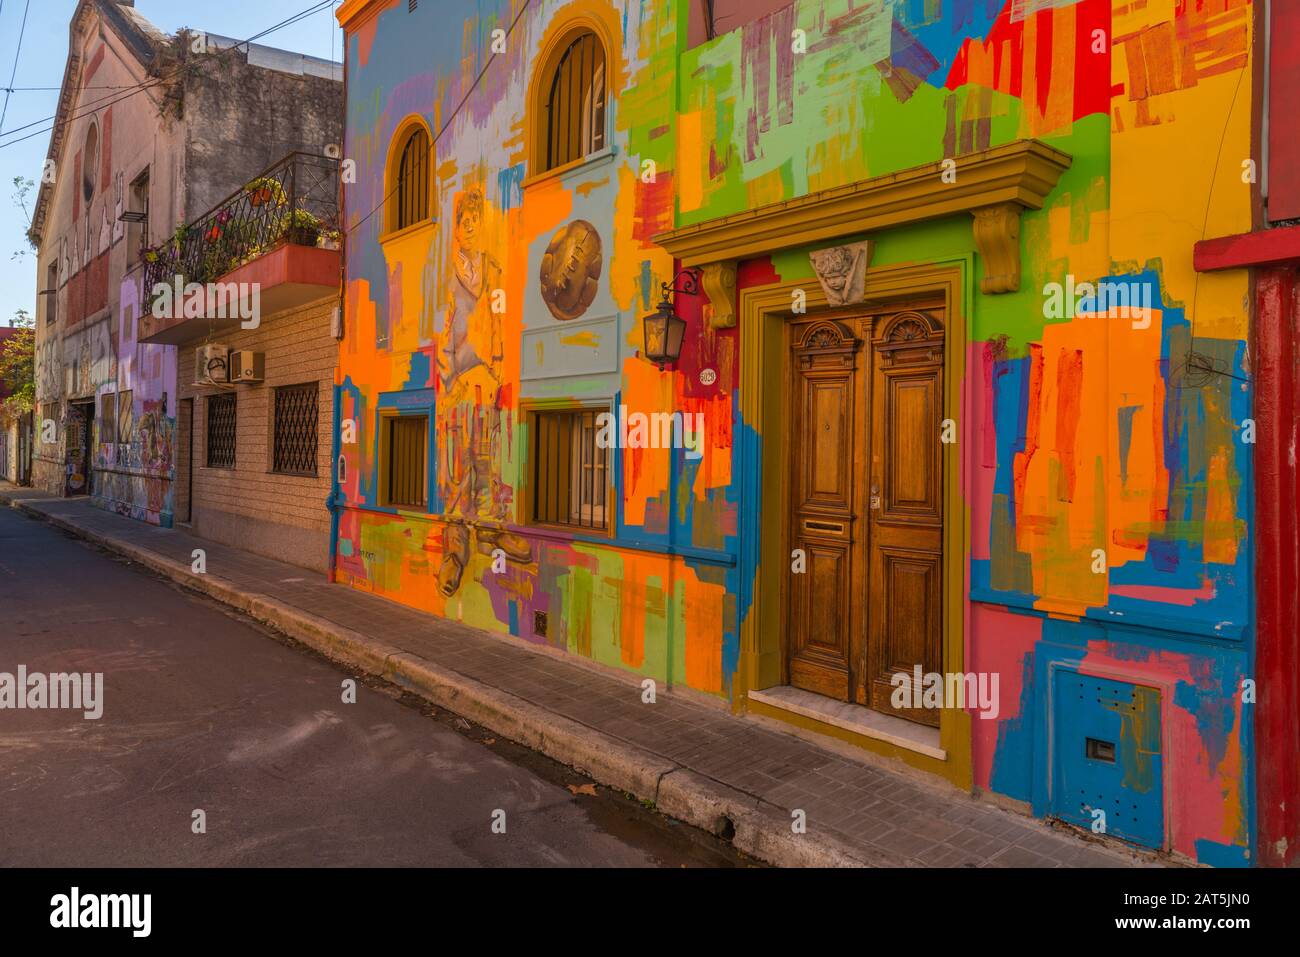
(1103, 470)
(135, 465)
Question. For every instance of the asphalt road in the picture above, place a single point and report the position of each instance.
(204, 710)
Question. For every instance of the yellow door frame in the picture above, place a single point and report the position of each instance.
(763, 407)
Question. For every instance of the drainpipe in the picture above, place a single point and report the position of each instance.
(335, 500)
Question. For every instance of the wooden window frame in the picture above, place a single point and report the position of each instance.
(386, 418)
(569, 108)
(559, 37)
(529, 480)
(411, 126)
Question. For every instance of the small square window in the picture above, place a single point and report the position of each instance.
(570, 470)
(406, 460)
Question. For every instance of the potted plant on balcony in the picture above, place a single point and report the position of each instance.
(302, 228)
(264, 190)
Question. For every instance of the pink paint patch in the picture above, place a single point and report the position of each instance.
(1201, 790)
(1001, 642)
(1168, 596)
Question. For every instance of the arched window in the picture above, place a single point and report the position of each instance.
(90, 162)
(411, 202)
(574, 103)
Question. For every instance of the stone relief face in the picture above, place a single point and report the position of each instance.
(841, 270)
(570, 273)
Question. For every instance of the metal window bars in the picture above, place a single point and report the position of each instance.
(297, 429)
(575, 106)
(221, 431)
(413, 180)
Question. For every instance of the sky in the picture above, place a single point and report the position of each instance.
(40, 63)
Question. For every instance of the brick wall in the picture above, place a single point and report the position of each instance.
(283, 516)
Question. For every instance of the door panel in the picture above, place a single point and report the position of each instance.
(825, 390)
(905, 533)
(912, 419)
(866, 513)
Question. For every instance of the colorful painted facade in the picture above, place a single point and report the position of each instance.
(1043, 167)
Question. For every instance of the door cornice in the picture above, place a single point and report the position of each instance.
(993, 186)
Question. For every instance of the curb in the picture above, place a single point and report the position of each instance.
(758, 828)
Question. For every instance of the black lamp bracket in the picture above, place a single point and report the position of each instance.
(685, 283)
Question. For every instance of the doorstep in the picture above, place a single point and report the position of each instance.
(854, 718)
(695, 762)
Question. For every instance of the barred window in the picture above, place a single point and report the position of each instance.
(221, 431)
(297, 429)
(413, 180)
(570, 470)
(406, 460)
(575, 103)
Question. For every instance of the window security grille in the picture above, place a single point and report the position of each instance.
(221, 431)
(297, 429)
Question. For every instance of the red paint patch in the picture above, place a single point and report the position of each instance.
(654, 208)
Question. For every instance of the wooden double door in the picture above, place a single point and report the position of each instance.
(866, 503)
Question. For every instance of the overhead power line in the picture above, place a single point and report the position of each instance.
(14, 72)
(109, 100)
(433, 142)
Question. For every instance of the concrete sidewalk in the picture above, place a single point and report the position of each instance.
(697, 763)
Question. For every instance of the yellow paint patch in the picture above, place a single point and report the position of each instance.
(690, 185)
(584, 338)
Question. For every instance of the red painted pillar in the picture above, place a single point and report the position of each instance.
(1277, 565)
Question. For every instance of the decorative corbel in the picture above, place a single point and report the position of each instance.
(997, 236)
(719, 281)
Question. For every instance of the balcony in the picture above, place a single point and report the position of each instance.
(271, 245)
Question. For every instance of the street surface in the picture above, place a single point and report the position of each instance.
(204, 710)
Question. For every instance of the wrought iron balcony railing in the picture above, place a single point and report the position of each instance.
(295, 201)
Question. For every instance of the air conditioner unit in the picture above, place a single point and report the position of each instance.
(211, 364)
(247, 366)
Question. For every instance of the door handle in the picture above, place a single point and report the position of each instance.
(875, 495)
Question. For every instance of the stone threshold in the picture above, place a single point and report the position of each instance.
(854, 718)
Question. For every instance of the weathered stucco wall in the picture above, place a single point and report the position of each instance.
(257, 107)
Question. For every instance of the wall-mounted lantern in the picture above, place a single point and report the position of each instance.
(664, 329)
